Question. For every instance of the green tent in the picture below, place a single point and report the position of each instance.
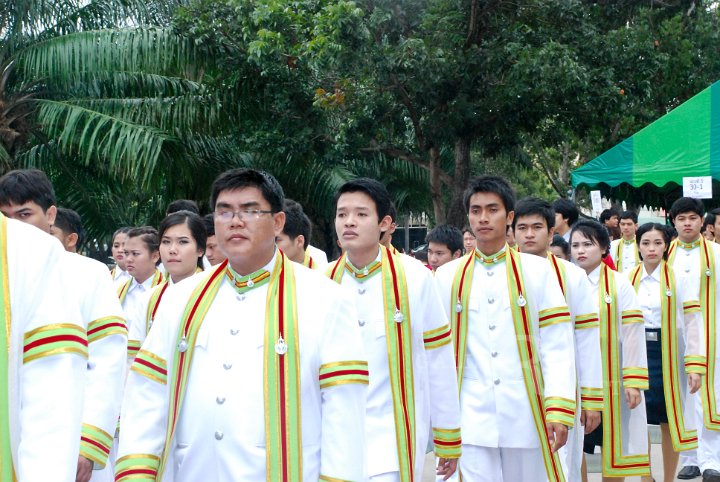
(683, 143)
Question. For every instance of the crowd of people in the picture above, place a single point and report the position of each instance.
(226, 348)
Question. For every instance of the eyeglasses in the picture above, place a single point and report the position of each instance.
(244, 215)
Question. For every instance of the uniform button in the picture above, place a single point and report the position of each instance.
(220, 400)
(234, 332)
(687, 270)
(490, 273)
(227, 366)
(497, 381)
(493, 354)
(361, 291)
(491, 300)
(219, 435)
(90, 365)
(240, 297)
(492, 327)
(361, 322)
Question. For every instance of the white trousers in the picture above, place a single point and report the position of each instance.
(707, 455)
(491, 464)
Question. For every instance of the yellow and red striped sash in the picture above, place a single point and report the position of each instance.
(398, 332)
(682, 438)
(527, 349)
(308, 262)
(7, 471)
(123, 290)
(619, 253)
(615, 464)
(154, 304)
(708, 301)
(281, 368)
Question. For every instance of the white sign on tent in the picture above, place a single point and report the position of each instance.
(697, 187)
(596, 200)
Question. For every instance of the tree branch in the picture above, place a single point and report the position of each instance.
(396, 153)
(414, 117)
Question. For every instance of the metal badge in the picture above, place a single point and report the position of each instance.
(608, 298)
(708, 272)
(668, 292)
(366, 271)
(250, 283)
(183, 346)
(458, 307)
(398, 316)
(281, 347)
(521, 301)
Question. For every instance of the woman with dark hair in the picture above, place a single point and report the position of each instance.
(623, 432)
(117, 249)
(182, 245)
(672, 332)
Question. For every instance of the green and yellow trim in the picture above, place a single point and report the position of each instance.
(7, 471)
(95, 444)
(332, 479)
(437, 337)
(560, 410)
(342, 373)
(104, 327)
(136, 467)
(635, 377)
(632, 316)
(615, 462)
(591, 398)
(150, 366)
(553, 316)
(692, 307)
(583, 322)
(447, 442)
(133, 348)
(55, 339)
(695, 364)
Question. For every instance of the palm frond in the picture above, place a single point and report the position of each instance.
(130, 150)
(148, 50)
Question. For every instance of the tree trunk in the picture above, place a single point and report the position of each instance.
(457, 215)
(436, 187)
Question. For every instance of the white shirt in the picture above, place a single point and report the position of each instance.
(120, 277)
(649, 298)
(629, 254)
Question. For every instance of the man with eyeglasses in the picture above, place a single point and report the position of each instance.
(260, 361)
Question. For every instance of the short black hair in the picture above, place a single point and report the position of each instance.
(195, 224)
(234, 179)
(123, 230)
(374, 189)
(467, 229)
(296, 222)
(182, 205)
(492, 184)
(27, 185)
(209, 221)
(631, 215)
(654, 227)
(560, 242)
(148, 235)
(607, 214)
(567, 209)
(712, 216)
(595, 232)
(448, 235)
(687, 205)
(533, 205)
(70, 222)
(672, 232)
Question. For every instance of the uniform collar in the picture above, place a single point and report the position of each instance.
(655, 275)
(594, 275)
(496, 258)
(689, 246)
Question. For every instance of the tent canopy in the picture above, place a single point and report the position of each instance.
(683, 143)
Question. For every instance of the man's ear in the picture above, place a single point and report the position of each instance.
(51, 214)
(71, 241)
(300, 242)
(457, 254)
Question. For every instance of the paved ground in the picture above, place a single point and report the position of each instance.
(593, 461)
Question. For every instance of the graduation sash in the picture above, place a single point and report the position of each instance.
(615, 464)
(619, 251)
(283, 436)
(154, 303)
(123, 290)
(708, 302)
(308, 261)
(7, 471)
(525, 336)
(399, 346)
(682, 438)
(560, 274)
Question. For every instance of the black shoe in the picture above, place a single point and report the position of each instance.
(689, 472)
(711, 475)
